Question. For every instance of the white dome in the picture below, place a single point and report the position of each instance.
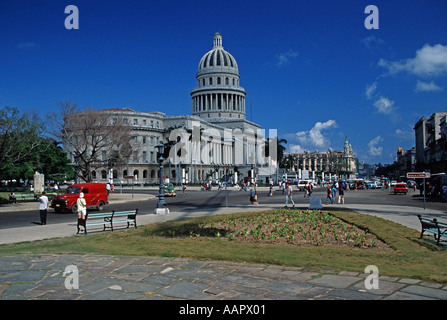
(218, 94)
(217, 59)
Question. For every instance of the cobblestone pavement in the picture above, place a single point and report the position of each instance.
(41, 277)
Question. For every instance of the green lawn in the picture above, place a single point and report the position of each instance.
(411, 257)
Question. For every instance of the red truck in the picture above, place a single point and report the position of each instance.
(95, 194)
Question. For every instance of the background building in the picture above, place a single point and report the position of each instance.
(323, 165)
(431, 143)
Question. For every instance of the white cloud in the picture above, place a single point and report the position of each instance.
(314, 137)
(370, 90)
(427, 87)
(384, 105)
(428, 61)
(374, 148)
(371, 41)
(284, 58)
(296, 148)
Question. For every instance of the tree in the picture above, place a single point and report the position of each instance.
(91, 137)
(19, 141)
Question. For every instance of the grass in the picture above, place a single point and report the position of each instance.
(405, 255)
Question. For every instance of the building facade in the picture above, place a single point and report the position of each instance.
(323, 165)
(216, 141)
(431, 143)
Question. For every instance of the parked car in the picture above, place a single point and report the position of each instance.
(303, 183)
(95, 194)
(400, 188)
(371, 184)
(169, 190)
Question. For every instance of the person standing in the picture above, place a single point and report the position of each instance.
(82, 206)
(289, 192)
(43, 208)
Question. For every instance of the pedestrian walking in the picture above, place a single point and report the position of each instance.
(334, 193)
(306, 190)
(309, 189)
(43, 208)
(341, 194)
(328, 194)
(289, 192)
(252, 196)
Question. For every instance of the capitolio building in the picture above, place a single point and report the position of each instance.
(214, 142)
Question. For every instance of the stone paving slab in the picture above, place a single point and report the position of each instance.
(41, 277)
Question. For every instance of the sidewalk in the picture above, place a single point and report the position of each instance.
(41, 276)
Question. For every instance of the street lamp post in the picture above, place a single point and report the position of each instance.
(161, 205)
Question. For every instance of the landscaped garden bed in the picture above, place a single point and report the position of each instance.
(294, 227)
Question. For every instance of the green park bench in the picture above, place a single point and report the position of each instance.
(108, 219)
(437, 229)
(26, 197)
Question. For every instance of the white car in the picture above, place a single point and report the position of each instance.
(302, 184)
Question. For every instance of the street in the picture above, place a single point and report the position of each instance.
(194, 200)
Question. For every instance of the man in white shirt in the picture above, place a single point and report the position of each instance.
(43, 208)
(289, 192)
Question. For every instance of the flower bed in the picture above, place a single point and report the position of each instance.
(294, 227)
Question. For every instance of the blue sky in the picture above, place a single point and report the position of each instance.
(310, 68)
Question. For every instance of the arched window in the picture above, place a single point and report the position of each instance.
(227, 81)
(203, 82)
(152, 174)
(218, 80)
(103, 174)
(211, 81)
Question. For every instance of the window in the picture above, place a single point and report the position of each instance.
(227, 81)
(218, 80)
(211, 81)
(203, 82)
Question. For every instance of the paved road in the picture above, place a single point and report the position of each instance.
(117, 277)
